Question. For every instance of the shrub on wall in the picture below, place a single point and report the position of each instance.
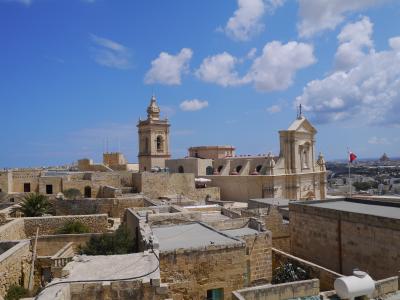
(289, 272)
(16, 292)
(34, 205)
(120, 242)
(72, 227)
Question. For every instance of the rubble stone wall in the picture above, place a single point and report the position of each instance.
(50, 225)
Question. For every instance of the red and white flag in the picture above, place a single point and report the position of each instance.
(352, 157)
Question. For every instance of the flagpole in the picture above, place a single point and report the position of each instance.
(349, 179)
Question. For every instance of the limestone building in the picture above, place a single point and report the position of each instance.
(294, 174)
(153, 139)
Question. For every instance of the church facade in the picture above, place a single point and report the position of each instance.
(297, 173)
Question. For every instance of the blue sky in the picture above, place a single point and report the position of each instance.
(76, 72)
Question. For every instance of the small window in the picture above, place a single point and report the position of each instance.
(209, 170)
(88, 192)
(238, 168)
(181, 169)
(258, 168)
(49, 189)
(27, 187)
(220, 168)
(215, 294)
(160, 143)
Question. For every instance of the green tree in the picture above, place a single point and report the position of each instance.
(121, 242)
(72, 227)
(35, 205)
(363, 186)
(16, 292)
(72, 194)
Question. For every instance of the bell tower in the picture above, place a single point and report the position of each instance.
(153, 139)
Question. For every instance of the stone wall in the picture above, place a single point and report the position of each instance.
(50, 225)
(155, 185)
(291, 290)
(190, 273)
(48, 245)
(326, 277)
(350, 240)
(201, 194)
(15, 266)
(259, 257)
(13, 230)
(273, 221)
(113, 207)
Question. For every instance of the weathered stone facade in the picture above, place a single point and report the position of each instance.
(156, 185)
(190, 273)
(15, 266)
(342, 241)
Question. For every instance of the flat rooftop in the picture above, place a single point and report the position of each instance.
(105, 267)
(194, 235)
(272, 201)
(240, 232)
(373, 208)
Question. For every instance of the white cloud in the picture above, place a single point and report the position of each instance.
(274, 109)
(320, 15)
(370, 90)
(246, 20)
(192, 105)
(275, 68)
(252, 53)
(354, 39)
(168, 69)
(109, 53)
(378, 141)
(220, 69)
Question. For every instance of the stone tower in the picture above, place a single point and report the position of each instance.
(153, 139)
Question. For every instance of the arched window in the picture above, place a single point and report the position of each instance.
(88, 192)
(209, 170)
(160, 143)
(181, 169)
(238, 168)
(220, 168)
(258, 168)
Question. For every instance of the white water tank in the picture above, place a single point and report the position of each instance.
(359, 284)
